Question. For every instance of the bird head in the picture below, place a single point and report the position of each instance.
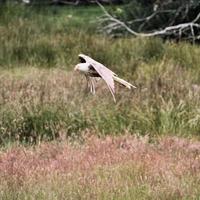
(82, 67)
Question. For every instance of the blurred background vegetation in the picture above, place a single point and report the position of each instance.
(41, 99)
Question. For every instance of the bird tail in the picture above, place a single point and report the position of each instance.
(123, 82)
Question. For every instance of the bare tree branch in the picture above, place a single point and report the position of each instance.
(177, 30)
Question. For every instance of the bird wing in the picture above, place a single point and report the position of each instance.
(104, 72)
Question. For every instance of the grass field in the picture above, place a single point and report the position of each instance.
(112, 168)
(59, 143)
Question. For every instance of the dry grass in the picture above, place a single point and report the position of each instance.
(43, 104)
(124, 167)
(41, 99)
(46, 104)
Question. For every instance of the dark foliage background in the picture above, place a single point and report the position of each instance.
(155, 15)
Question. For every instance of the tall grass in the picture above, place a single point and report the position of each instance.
(112, 168)
(40, 36)
(40, 99)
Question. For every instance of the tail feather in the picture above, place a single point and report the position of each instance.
(123, 82)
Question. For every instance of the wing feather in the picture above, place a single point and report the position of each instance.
(104, 72)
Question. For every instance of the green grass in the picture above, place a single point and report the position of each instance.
(43, 36)
(40, 99)
(117, 184)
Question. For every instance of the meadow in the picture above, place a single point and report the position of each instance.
(53, 134)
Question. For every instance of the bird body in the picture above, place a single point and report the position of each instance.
(87, 69)
(83, 67)
(91, 69)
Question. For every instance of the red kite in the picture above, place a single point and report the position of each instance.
(92, 69)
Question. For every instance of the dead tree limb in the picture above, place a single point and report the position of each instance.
(113, 23)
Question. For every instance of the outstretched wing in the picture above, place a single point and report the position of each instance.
(104, 72)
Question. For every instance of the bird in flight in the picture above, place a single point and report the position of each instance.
(93, 69)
